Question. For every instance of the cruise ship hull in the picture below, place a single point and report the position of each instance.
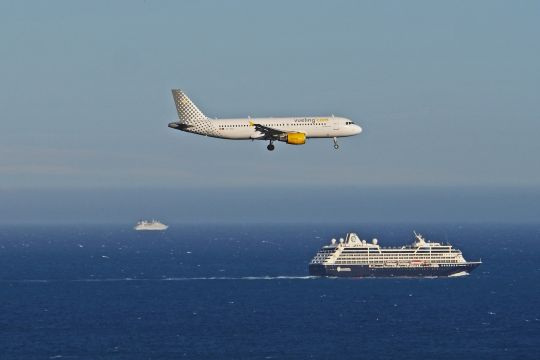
(416, 271)
(151, 228)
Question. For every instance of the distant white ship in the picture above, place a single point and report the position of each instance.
(150, 225)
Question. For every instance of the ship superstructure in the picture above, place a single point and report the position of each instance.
(150, 225)
(354, 257)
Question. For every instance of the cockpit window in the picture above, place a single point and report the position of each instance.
(349, 123)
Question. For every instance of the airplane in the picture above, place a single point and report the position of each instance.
(291, 130)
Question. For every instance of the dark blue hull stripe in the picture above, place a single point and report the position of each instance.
(365, 271)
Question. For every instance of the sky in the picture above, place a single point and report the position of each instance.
(448, 94)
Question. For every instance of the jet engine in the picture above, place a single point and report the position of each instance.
(295, 138)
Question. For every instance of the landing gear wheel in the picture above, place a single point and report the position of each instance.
(336, 146)
(271, 147)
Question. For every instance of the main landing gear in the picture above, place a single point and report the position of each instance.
(270, 146)
(336, 146)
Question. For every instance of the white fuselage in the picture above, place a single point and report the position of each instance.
(313, 127)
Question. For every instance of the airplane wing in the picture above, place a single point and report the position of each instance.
(271, 133)
(268, 132)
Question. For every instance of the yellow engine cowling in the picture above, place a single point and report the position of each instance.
(296, 138)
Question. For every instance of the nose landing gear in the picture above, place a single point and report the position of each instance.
(336, 146)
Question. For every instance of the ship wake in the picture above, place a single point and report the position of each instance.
(461, 273)
(194, 278)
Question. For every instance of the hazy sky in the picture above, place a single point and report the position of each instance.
(448, 93)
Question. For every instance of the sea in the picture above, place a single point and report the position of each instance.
(242, 291)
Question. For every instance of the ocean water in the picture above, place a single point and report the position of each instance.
(243, 292)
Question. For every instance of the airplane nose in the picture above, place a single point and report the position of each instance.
(357, 129)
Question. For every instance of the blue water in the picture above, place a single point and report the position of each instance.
(242, 292)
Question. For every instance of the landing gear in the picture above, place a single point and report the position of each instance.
(336, 146)
(270, 147)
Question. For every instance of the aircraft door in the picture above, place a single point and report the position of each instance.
(335, 123)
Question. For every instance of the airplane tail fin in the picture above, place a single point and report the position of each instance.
(188, 112)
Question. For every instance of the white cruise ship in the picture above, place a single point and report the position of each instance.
(354, 257)
(150, 225)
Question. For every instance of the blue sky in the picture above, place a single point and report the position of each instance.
(448, 93)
